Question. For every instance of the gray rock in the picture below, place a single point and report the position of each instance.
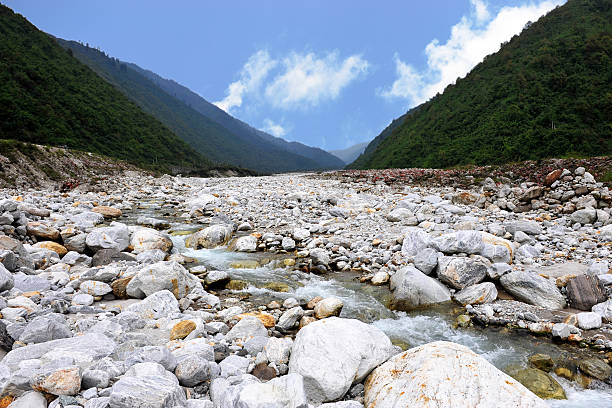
(288, 244)
(31, 399)
(604, 309)
(150, 391)
(148, 239)
(116, 237)
(588, 320)
(585, 291)
(234, 365)
(193, 370)
(278, 350)
(533, 289)
(45, 328)
(247, 328)
(248, 243)
(467, 242)
(584, 216)
(95, 288)
(210, 237)
(461, 272)
(497, 270)
(477, 294)
(426, 260)
(411, 288)
(152, 354)
(322, 355)
(7, 281)
(151, 256)
(194, 347)
(319, 256)
(415, 240)
(106, 256)
(217, 278)
(399, 214)
(76, 243)
(165, 275)
(156, 306)
(528, 227)
(290, 319)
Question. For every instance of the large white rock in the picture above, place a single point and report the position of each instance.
(116, 237)
(460, 272)
(210, 237)
(475, 243)
(283, 392)
(146, 239)
(162, 275)
(334, 353)
(444, 374)
(589, 320)
(411, 288)
(248, 243)
(415, 240)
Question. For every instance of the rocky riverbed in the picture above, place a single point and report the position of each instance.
(332, 290)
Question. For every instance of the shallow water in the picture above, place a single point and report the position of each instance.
(368, 303)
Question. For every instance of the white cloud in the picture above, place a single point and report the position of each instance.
(307, 79)
(471, 39)
(274, 129)
(251, 76)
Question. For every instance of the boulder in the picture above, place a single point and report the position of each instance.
(193, 370)
(116, 237)
(584, 216)
(52, 246)
(584, 292)
(528, 227)
(156, 306)
(596, 368)
(415, 240)
(40, 230)
(210, 237)
(290, 319)
(461, 272)
(248, 243)
(588, 320)
(411, 288)
(147, 239)
(162, 275)
(45, 328)
(283, 392)
(247, 328)
(63, 381)
(444, 374)
(31, 399)
(485, 292)
(539, 382)
(334, 353)
(147, 391)
(531, 288)
(426, 260)
(604, 309)
(95, 288)
(7, 280)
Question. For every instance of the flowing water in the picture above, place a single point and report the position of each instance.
(368, 303)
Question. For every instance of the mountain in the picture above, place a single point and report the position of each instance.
(202, 125)
(48, 97)
(546, 93)
(240, 129)
(349, 154)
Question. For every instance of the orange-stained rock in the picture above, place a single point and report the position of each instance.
(552, 177)
(40, 230)
(182, 329)
(120, 287)
(52, 246)
(6, 401)
(267, 319)
(313, 302)
(107, 212)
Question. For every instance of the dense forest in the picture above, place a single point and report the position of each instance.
(48, 97)
(546, 93)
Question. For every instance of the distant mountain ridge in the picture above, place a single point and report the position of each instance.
(545, 93)
(238, 127)
(349, 154)
(48, 97)
(205, 127)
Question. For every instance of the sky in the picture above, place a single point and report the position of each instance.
(327, 73)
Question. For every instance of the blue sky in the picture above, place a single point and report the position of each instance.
(325, 73)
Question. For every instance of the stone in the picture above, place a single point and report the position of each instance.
(561, 330)
(63, 381)
(584, 292)
(85, 349)
(477, 294)
(444, 374)
(460, 272)
(52, 246)
(31, 399)
(156, 306)
(552, 177)
(542, 361)
(414, 241)
(584, 216)
(193, 370)
(248, 243)
(116, 236)
(147, 239)
(300, 234)
(95, 288)
(596, 368)
(267, 319)
(198, 346)
(399, 214)
(210, 237)
(234, 365)
(328, 307)
(41, 230)
(380, 278)
(288, 244)
(278, 350)
(7, 280)
(290, 319)
(531, 288)
(143, 358)
(182, 329)
(604, 309)
(164, 275)
(247, 328)
(217, 279)
(528, 227)
(426, 260)
(264, 372)
(147, 391)
(411, 288)
(588, 320)
(45, 328)
(539, 382)
(106, 256)
(31, 283)
(119, 287)
(107, 212)
(321, 355)
(283, 392)
(76, 243)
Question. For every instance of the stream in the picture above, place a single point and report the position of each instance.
(499, 346)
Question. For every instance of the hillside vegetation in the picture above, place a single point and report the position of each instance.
(49, 97)
(206, 128)
(546, 93)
